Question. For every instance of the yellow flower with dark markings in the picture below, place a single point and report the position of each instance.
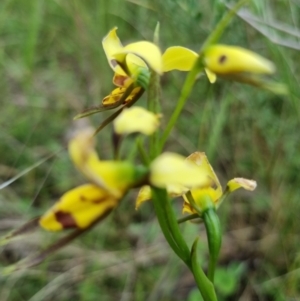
(79, 208)
(89, 203)
(225, 60)
(131, 64)
(219, 60)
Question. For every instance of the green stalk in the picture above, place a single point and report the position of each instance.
(214, 237)
(169, 225)
(153, 101)
(160, 201)
(143, 154)
(188, 218)
(206, 288)
(185, 92)
(197, 68)
(221, 26)
(206, 209)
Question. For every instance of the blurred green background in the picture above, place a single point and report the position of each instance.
(52, 66)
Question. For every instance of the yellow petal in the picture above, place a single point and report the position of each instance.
(78, 208)
(143, 196)
(136, 119)
(173, 169)
(211, 76)
(178, 58)
(111, 45)
(237, 183)
(147, 51)
(213, 189)
(200, 160)
(82, 148)
(113, 176)
(223, 59)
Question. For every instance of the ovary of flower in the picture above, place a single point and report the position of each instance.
(136, 119)
(173, 169)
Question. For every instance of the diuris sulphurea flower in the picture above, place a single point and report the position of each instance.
(210, 186)
(132, 64)
(109, 182)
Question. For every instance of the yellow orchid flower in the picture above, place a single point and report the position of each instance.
(87, 204)
(136, 119)
(125, 60)
(222, 60)
(208, 186)
(131, 62)
(172, 169)
(175, 173)
(213, 189)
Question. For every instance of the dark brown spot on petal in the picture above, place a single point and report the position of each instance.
(119, 80)
(65, 219)
(83, 198)
(222, 59)
(99, 201)
(114, 63)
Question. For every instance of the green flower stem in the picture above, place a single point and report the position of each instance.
(206, 209)
(153, 100)
(154, 106)
(143, 154)
(205, 286)
(197, 68)
(188, 218)
(221, 26)
(19, 232)
(185, 92)
(168, 223)
(214, 237)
